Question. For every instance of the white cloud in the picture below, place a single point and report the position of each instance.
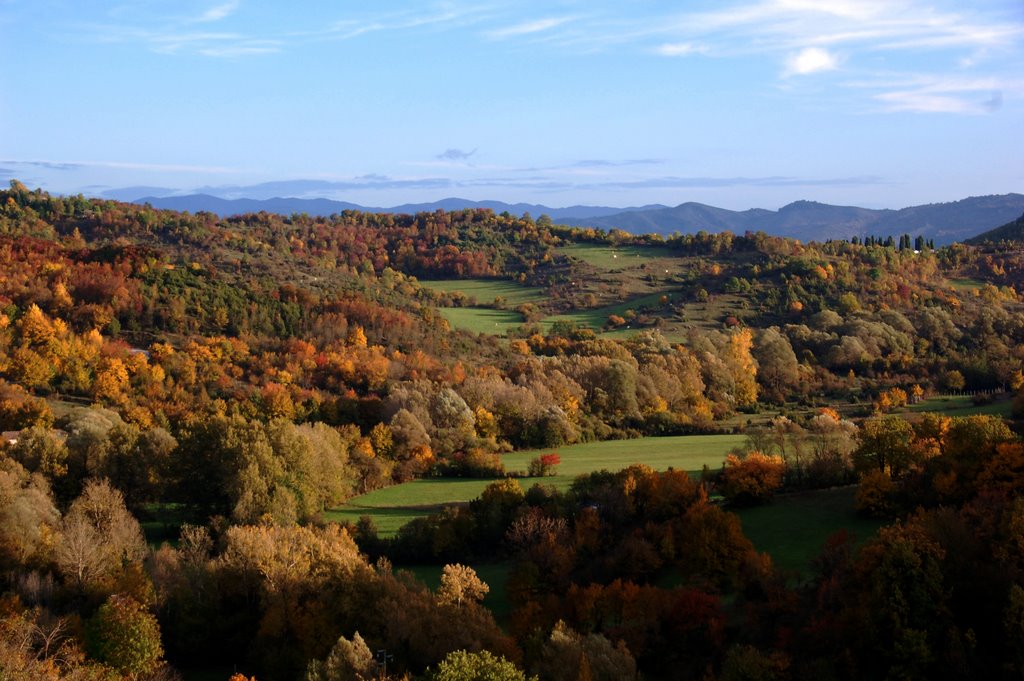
(123, 165)
(848, 9)
(528, 27)
(680, 49)
(218, 12)
(810, 60)
(946, 95)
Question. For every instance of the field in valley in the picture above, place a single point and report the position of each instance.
(392, 507)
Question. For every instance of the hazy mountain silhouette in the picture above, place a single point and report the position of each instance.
(804, 220)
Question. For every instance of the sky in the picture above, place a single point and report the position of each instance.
(734, 103)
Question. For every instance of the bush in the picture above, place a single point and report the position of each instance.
(544, 465)
(753, 479)
(477, 463)
(875, 494)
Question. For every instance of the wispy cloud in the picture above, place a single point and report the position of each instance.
(922, 94)
(173, 40)
(680, 49)
(543, 182)
(455, 155)
(218, 12)
(605, 163)
(676, 182)
(446, 17)
(121, 165)
(527, 27)
(47, 165)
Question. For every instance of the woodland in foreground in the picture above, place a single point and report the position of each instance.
(236, 378)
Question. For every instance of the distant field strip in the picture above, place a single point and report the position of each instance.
(965, 284)
(614, 257)
(597, 317)
(486, 290)
(392, 507)
(481, 319)
(963, 405)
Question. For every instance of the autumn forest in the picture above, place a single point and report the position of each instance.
(197, 413)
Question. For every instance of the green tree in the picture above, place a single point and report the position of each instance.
(483, 666)
(885, 445)
(347, 661)
(126, 637)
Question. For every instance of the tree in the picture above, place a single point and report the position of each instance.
(126, 637)
(569, 656)
(543, 465)
(752, 479)
(349, 660)
(483, 666)
(874, 494)
(98, 536)
(459, 584)
(777, 367)
(742, 366)
(27, 515)
(885, 445)
(747, 663)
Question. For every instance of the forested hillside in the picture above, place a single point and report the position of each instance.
(225, 382)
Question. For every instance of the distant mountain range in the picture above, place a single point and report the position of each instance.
(804, 220)
(807, 220)
(287, 206)
(1011, 231)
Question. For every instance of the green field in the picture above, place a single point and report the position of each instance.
(965, 284)
(793, 528)
(596, 318)
(486, 290)
(392, 507)
(962, 405)
(495, 575)
(614, 257)
(481, 319)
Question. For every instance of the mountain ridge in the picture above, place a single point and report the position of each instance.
(811, 220)
(805, 220)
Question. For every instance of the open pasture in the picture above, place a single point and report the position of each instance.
(962, 405)
(793, 528)
(597, 317)
(481, 319)
(486, 290)
(964, 284)
(392, 507)
(609, 257)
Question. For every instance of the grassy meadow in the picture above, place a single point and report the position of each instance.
(481, 319)
(608, 257)
(495, 575)
(394, 506)
(962, 405)
(793, 528)
(486, 290)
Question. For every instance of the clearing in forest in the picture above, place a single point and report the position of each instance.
(392, 507)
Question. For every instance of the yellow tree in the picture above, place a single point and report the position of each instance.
(741, 365)
(111, 381)
(460, 584)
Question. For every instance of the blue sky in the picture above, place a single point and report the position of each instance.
(736, 103)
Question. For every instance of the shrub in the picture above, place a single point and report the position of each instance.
(544, 465)
(753, 479)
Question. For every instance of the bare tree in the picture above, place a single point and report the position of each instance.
(98, 535)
